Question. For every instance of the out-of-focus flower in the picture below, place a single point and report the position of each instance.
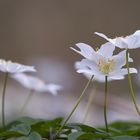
(11, 67)
(102, 63)
(131, 42)
(35, 84)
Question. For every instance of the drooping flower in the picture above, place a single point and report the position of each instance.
(12, 67)
(35, 84)
(129, 42)
(102, 62)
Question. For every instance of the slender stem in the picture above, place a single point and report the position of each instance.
(3, 100)
(77, 103)
(105, 105)
(90, 100)
(130, 83)
(27, 101)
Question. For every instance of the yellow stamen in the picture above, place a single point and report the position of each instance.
(106, 66)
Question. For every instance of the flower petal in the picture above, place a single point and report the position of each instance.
(118, 42)
(133, 40)
(11, 67)
(117, 77)
(85, 50)
(123, 72)
(120, 59)
(106, 50)
(53, 88)
(87, 66)
(33, 83)
(105, 37)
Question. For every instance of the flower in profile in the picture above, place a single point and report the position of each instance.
(129, 42)
(35, 84)
(102, 62)
(11, 67)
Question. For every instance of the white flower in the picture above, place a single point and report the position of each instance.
(35, 84)
(102, 63)
(11, 67)
(131, 42)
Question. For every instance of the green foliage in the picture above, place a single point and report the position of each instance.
(39, 129)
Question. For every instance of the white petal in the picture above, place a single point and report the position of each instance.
(106, 50)
(132, 70)
(87, 66)
(137, 32)
(33, 83)
(85, 71)
(133, 40)
(27, 81)
(11, 67)
(98, 78)
(120, 59)
(123, 72)
(105, 37)
(118, 77)
(85, 50)
(118, 42)
(53, 88)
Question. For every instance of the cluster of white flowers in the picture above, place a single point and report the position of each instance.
(102, 63)
(31, 82)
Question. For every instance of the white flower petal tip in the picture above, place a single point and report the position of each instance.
(101, 35)
(131, 41)
(54, 88)
(84, 50)
(133, 70)
(35, 84)
(12, 67)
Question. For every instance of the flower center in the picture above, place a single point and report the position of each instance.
(106, 66)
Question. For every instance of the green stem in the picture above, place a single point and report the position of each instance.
(77, 103)
(130, 83)
(90, 100)
(27, 101)
(105, 105)
(3, 100)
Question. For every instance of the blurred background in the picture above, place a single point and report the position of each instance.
(41, 32)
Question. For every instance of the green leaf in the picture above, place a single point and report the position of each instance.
(124, 138)
(22, 129)
(35, 136)
(125, 125)
(25, 120)
(8, 134)
(32, 136)
(85, 136)
(74, 136)
(44, 127)
(82, 127)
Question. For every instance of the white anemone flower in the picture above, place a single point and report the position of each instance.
(102, 62)
(35, 84)
(129, 42)
(11, 67)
